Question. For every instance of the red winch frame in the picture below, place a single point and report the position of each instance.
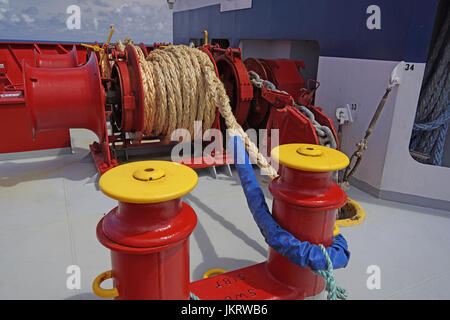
(43, 77)
(127, 74)
(62, 87)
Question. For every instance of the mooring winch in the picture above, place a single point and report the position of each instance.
(119, 96)
(89, 85)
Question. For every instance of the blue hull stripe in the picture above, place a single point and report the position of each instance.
(338, 26)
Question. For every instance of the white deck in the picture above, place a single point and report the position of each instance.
(50, 207)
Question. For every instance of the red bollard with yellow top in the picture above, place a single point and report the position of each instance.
(305, 203)
(148, 232)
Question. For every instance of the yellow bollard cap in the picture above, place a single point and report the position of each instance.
(309, 157)
(148, 181)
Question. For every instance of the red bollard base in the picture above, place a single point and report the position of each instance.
(251, 283)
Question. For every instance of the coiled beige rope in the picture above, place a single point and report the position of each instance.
(181, 86)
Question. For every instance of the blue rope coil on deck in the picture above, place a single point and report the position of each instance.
(302, 253)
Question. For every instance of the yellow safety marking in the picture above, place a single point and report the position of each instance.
(213, 272)
(357, 218)
(99, 291)
(206, 36)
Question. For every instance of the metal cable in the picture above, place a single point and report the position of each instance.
(324, 133)
(432, 121)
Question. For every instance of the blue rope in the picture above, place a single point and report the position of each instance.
(334, 291)
(432, 125)
(440, 124)
(429, 138)
(301, 253)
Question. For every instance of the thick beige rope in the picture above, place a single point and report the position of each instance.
(222, 101)
(106, 63)
(180, 87)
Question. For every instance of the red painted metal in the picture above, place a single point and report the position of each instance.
(255, 65)
(135, 101)
(80, 102)
(37, 54)
(129, 118)
(48, 60)
(250, 283)
(145, 49)
(306, 96)
(123, 117)
(305, 204)
(149, 246)
(63, 98)
(285, 75)
(127, 73)
(102, 156)
(259, 108)
(294, 127)
(128, 114)
(277, 99)
(207, 161)
(15, 122)
(74, 97)
(234, 75)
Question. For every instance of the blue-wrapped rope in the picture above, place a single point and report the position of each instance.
(301, 253)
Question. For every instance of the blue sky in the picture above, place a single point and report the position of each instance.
(142, 20)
